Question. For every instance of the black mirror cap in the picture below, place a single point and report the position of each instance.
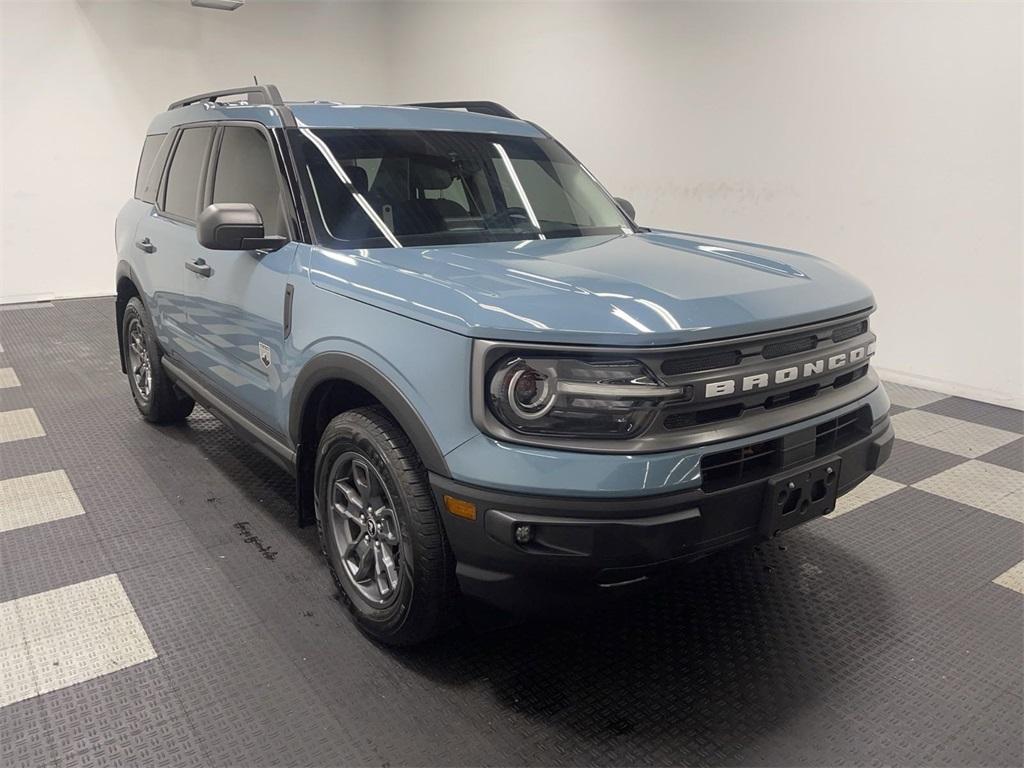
(234, 227)
(627, 207)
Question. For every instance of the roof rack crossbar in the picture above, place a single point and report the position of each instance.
(481, 107)
(264, 94)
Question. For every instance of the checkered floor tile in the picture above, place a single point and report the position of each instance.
(143, 623)
(35, 499)
(8, 378)
(1012, 578)
(20, 424)
(973, 457)
(65, 636)
(945, 433)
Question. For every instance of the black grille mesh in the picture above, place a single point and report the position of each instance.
(789, 346)
(849, 331)
(760, 460)
(740, 465)
(842, 431)
(678, 365)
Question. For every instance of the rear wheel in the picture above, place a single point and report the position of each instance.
(380, 529)
(153, 392)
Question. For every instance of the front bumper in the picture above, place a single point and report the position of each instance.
(584, 546)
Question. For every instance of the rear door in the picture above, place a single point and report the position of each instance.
(166, 235)
(236, 306)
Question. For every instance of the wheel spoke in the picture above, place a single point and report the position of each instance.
(353, 546)
(384, 565)
(353, 506)
(348, 516)
(363, 480)
(387, 526)
(365, 562)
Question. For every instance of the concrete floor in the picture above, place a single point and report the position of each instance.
(158, 607)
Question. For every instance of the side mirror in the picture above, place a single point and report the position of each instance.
(627, 207)
(234, 227)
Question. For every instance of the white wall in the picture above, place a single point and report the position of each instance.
(80, 81)
(884, 136)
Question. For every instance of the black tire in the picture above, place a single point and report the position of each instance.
(422, 604)
(161, 404)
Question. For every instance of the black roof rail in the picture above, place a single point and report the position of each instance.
(265, 94)
(481, 107)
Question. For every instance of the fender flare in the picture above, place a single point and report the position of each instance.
(343, 366)
(124, 270)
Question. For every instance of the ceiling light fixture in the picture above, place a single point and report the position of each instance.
(218, 5)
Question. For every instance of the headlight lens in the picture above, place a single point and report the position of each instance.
(576, 397)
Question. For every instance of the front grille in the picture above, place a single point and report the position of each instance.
(733, 379)
(841, 431)
(761, 460)
(695, 364)
(705, 416)
(687, 417)
(847, 378)
(738, 466)
(849, 331)
(789, 347)
(793, 396)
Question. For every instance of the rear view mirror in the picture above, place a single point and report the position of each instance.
(234, 227)
(627, 207)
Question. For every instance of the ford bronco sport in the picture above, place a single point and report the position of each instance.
(486, 378)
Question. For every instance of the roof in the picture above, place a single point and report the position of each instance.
(323, 114)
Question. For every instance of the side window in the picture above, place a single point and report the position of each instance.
(182, 193)
(246, 174)
(151, 164)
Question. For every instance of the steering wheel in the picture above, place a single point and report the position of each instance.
(513, 215)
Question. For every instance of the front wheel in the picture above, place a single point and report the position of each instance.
(380, 529)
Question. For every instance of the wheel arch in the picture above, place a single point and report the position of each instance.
(333, 378)
(127, 287)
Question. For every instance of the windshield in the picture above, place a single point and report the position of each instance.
(370, 189)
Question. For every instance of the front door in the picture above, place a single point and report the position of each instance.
(165, 236)
(236, 299)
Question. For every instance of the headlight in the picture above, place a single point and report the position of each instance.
(576, 397)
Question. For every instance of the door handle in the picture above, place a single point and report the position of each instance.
(145, 245)
(200, 267)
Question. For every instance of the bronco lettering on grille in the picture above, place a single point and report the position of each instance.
(780, 376)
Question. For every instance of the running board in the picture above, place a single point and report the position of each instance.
(248, 430)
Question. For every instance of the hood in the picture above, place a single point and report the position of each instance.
(644, 289)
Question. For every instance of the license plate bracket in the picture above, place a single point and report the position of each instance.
(796, 497)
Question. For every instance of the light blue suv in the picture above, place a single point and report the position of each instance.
(486, 378)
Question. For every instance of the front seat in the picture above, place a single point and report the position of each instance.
(422, 215)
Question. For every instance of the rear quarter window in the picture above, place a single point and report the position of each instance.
(151, 165)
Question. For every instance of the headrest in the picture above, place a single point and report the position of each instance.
(427, 176)
(359, 178)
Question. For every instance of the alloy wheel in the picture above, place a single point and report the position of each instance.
(366, 528)
(138, 359)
